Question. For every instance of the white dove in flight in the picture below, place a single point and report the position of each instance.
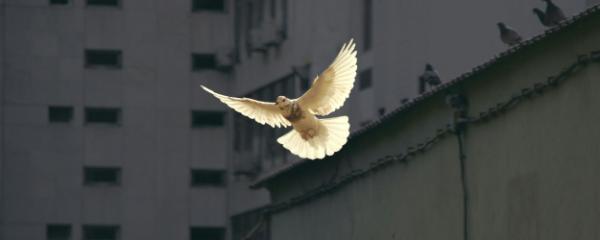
(311, 138)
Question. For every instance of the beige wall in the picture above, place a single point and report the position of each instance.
(531, 173)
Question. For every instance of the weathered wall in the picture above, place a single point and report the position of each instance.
(531, 173)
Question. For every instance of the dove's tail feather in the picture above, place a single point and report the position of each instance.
(330, 138)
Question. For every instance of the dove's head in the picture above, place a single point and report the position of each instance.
(282, 102)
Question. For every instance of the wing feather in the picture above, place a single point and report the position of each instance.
(330, 90)
(261, 112)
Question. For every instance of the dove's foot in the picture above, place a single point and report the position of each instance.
(308, 134)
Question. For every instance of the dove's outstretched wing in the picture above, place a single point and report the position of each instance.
(262, 112)
(329, 91)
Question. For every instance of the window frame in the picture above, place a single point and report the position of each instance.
(118, 5)
(222, 181)
(89, 183)
(195, 125)
(70, 113)
(59, 225)
(87, 227)
(51, 3)
(362, 85)
(87, 61)
(195, 9)
(221, 232)
(367, 25)
(87, 121)
(214, 66)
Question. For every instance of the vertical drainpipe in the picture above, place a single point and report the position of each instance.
(459, 103)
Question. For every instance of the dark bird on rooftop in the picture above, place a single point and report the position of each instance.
(554, 14)
(508, 35)
(429, 77)
(542, 17)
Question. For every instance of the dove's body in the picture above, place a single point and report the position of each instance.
(509, 35)
(311, 138)
(554, 14)
(302, 121)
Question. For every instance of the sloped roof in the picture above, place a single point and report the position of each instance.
(415, 102)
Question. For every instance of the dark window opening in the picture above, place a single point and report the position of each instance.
(108, 3)
(208, 119)
(205, 177)
(260, 4)
(207, 233)
(59, 2)
(58, 232)
(60, 114)
(103, 58)
(238, 125)
(248, 27)
(102, 176)
(273, 8)
(100, 232)
(243, 223)
(365, 79)
(208, 5)
(367, 23)
(203, 61)
(102, 115)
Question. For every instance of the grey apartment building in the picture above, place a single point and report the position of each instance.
(105, 133)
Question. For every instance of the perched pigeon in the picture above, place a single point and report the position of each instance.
(508, 35)
(311, 138)
(429, 77)
(542, 17)
(554, 14)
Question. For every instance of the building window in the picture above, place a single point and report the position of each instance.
(100, 232)
(273, 8)
(58, 232)
(367, 23)
(59, 2)
(260, 5)
(208, 5)
(102, 115)
(106, 3)
(208, 119)
(243, 223)
(101, 176)
(95, 58)
(207, 177)
(203, 61)
(365, 79)
(60, 114)
(207, 233)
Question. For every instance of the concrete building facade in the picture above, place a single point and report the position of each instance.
(518, 161)
(105, 133)
(395, 40)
